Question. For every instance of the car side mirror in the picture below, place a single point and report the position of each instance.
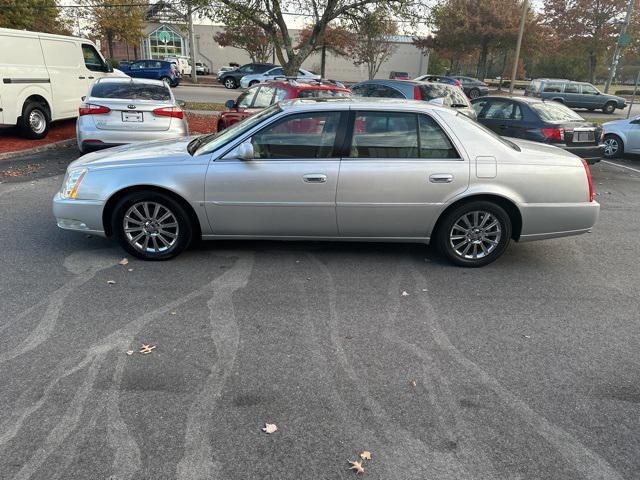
(244, 151)
(83, 98)
(181, 103)
(229, 104)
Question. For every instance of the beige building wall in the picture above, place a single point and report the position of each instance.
(406, 58)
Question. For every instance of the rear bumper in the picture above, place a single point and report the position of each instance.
(543, 220)
(591, 153)
(90, 136)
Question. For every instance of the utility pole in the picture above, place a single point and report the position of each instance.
(525, 9)
(623, 41)
(192, 45)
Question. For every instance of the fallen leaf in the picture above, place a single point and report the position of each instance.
(129, 352)
(124, 261)
(111, 282)
(147, 349)
(413, 383)
(366, 455)
(269, 428)
(357, 466)
(405, 294)
(424, 289)
(174, 313)
(526, 336)
(129, 269)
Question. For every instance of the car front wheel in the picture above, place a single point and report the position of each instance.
(474, 234)
(609, 108)
(229, 83)
(613, 146)
(151, 225)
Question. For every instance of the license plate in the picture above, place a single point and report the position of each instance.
(132, 117)
(579, 137)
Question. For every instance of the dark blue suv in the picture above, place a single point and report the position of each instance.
(154, 69)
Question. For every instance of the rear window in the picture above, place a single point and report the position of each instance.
(452, 96)
(554, 112)
(131, 91)
(323, 94)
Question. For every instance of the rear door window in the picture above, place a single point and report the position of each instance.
(571, 88)
(131, 90)
(552, 87)
(498, 110)
(433, 142)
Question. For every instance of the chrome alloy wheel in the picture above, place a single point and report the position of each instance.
(150, 227)
(475, 235)
(611, 147)
(37, 121)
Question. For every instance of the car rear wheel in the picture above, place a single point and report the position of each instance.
(230, 83)
(253, 82)
(34, 122)
(474, 234)
(613, 146)
(474, 93)
(220, 126)
(609, 108)
(151, 225)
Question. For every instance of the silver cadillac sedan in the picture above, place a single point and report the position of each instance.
(348, 169)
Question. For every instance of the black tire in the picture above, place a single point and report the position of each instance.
(474, 93)
(183, 231)
(613, 146)
(220, 126)
(609, 108)
(500, 233)
(591, 109)
(35, 120)
(230, 83)
(253, 82)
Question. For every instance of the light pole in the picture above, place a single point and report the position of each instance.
(623, 41)
(525, 8)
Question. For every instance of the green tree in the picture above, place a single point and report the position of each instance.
(336, 39)
(371, 44)
(589, 26)
(247, 36)
(115, 20)
(270, 16)
(34, 15)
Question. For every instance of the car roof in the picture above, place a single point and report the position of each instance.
(307, 85)
(365, 103)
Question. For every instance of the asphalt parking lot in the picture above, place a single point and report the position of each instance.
(525, 369)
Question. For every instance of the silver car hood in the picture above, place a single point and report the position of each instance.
(162, 151)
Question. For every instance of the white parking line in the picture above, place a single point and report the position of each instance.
(621, 166)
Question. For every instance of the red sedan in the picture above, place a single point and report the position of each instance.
(265, 94)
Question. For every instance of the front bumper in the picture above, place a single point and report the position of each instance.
(591, 153)
(79, 215)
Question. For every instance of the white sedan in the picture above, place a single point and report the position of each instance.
(621, 136)
(249, 80)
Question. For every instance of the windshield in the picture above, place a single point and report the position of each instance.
(502, 140)
(208, 143)
(555, 112)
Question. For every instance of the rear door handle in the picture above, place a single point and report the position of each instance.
(81, 78)
(90, 78)
(441, 178)
(314, 178)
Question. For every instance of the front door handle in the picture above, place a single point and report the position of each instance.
(314, 178)
(441, 178)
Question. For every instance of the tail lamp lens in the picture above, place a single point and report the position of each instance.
(553, 134)
(173, 112)
(91, 109)
(589, 181)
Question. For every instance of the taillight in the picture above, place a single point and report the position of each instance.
(553, 134)
(174, 112)
(91, 109)
(417, 94)
(589, 181)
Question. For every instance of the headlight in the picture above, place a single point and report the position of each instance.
(71, 183)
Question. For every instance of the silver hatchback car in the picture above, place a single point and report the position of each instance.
(349, 169)
(126, 110)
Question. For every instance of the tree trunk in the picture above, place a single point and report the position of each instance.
(110, 44)
(482, 61)
(504, 65)
(192, 48)
(593, 60)
(323, 60)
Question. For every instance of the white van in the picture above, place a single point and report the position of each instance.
(182, 63)
(43, 78)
